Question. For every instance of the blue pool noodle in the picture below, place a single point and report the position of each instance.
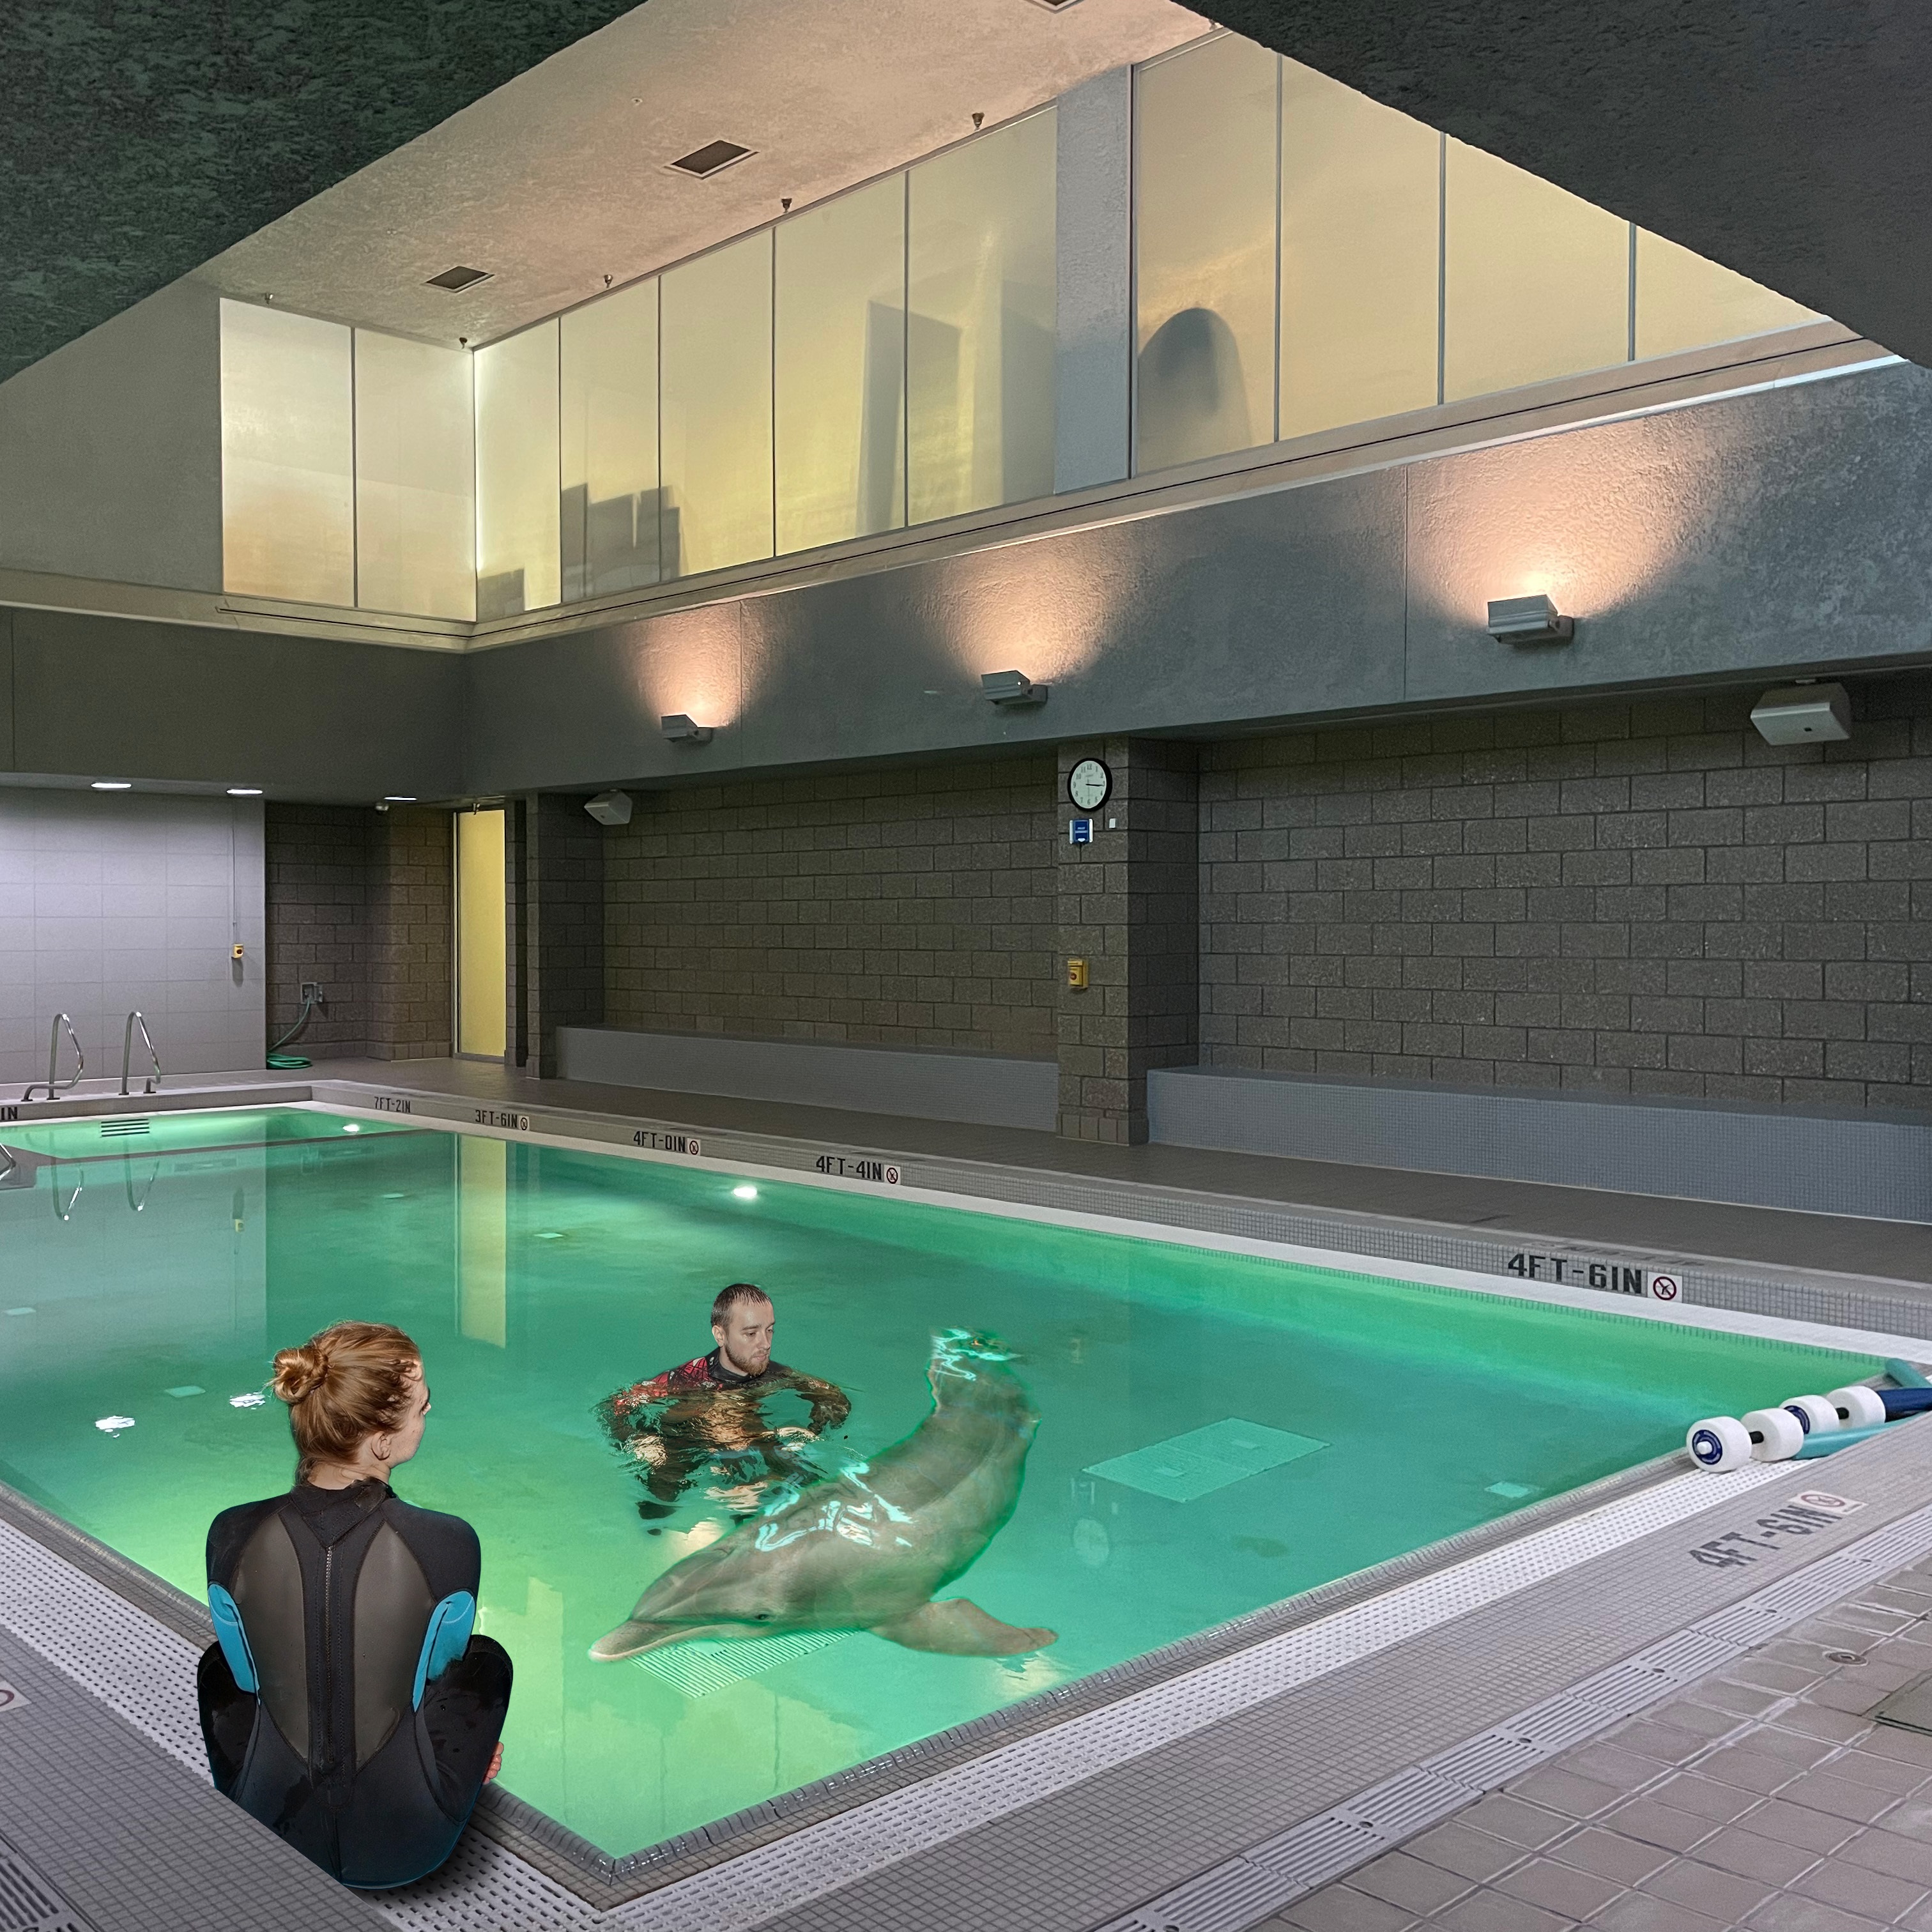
(1905, 1375)
(1817, 1445)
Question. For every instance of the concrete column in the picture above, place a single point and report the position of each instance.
(1093, 306)
(1129, 907)
(553, 855)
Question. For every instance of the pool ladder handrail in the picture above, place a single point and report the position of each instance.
(55, 1087)
(153, 1081)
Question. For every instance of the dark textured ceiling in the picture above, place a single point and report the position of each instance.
(1787, 139)
(140, 137)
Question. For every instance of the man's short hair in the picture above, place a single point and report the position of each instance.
(729, 1298)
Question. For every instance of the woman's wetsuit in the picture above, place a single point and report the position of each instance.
(347, 1704)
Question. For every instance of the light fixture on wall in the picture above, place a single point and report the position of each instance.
(611, 808)
(1013, 688)
(681, 729)
(1529, 620)
(113, 784)
(1803, 714)
(244, 791)
(399, 798)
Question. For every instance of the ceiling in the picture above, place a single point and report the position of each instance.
(1786, 139)
(138, 137)
(561, 179)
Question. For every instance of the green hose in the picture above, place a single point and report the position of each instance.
(279, 1062)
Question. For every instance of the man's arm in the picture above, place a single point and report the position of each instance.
(830, 1404)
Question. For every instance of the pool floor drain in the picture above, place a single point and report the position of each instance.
(29, 1903)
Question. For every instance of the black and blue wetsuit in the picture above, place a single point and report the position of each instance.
(347, 1704)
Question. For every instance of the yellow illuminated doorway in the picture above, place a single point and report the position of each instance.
(481, 997)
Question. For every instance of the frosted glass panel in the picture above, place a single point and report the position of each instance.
(980, 325)
(1683, 301)
(839, 384)
(287, 455)
(1361, 224)
(481, 985)
(1538, 282)
(717, 392)
(609, 366)
(415, 478)
(1205, 126)
(517, 474)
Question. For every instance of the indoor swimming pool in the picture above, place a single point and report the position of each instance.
(1217, 1432)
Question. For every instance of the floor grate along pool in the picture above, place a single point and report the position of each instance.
(1217, 1431)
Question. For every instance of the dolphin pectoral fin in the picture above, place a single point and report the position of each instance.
(632, 1638)
(959, 1628)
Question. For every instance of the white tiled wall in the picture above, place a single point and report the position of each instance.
(110, 901)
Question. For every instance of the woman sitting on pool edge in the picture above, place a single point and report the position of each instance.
(345, 1704)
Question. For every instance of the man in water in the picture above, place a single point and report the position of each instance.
(712, 1409)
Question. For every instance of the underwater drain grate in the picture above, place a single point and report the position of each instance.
(706, 1664)
(29, 1904)
(1186, 1467)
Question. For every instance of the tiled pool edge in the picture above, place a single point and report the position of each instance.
(603, 1881)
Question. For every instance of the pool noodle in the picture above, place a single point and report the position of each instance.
(1817, 1445)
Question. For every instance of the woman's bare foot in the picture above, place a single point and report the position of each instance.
(496, 1766)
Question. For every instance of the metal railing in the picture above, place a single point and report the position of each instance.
(54, 1087)
(154, 1080)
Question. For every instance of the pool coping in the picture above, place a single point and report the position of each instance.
(603, 1881)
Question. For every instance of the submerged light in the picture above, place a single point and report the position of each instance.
(351, 1126)
(747, 1192)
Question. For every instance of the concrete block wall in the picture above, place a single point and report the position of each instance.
(364, 902)
(1641, 897)
(909, 906)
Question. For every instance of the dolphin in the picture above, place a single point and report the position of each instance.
(865, 1550)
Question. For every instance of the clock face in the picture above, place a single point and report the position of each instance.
(1088, 783)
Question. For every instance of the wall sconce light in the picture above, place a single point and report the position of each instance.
(1529, 620)
(1803, 714)
(681, 729)
(611, 808)
(1013, 688)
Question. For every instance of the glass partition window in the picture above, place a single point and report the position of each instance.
(839, 374)
(716, 400)
(980, 285)
(1536, 282)
(607, 366)
(1683, 301)
(517, 521)
(415, 486)
(288, 457)
(1361, 216)
(1207, 138)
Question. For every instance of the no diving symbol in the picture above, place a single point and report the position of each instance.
(11, 1699)
(892, 1177)
(1663, 1287)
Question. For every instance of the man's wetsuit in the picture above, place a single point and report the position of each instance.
(345, 1704)
(700, 1412)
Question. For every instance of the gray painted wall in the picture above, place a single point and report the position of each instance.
(923, 1086)
(110, 450)
(1783, 530)
(1701, 1152)
(103, 696)
(1094, 290)
(114, 900)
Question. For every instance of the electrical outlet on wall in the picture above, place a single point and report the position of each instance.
(312, 990)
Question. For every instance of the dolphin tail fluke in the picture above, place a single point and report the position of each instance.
(632, 1637)
(959, 1628)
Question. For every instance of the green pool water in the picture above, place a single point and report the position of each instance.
(151, 1275)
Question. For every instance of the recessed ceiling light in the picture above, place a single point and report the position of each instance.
(244, 791)
(457, 279)
(713, 158)
(113, 784)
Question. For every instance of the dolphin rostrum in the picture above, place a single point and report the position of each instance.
(865, 1549)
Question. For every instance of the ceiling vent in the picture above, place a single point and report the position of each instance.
(1056, 6)
(713, 158)
(457, 279)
